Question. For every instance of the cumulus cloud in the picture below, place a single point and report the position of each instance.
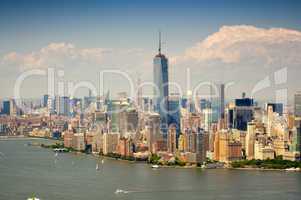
(67, 54)
(242, 43)
(54, 54)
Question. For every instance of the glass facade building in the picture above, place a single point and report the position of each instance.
(297, 106)
(160, 74)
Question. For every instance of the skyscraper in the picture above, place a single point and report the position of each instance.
(277, 107)
(152, 130)
(50, 104)
(62, 105)
(172, 139)
(128, 121)
(200, 149)
(45, 100)
(240, 113)
(297, 106)
(174, 116)
(161, 90)
(6, 107)
(221, 101)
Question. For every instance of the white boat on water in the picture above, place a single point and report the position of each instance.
(292, 169)
(155, 166)
(33, 198)
(97, 167)
(119, 191)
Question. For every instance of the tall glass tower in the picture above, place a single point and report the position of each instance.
(161, 90)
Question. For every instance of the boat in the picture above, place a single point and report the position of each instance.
(33, 198)
(97, 167)
(102, 161)
(292, 169)
(119, 191)
(60, 150)
(155, 166)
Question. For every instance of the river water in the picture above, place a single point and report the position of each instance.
(30, 170)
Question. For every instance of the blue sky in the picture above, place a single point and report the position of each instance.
(30, 24)
(123, 34)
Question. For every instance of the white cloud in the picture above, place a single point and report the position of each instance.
(54, 54)
(68, 55)
(241, 44)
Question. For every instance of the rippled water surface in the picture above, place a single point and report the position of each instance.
(27, 170)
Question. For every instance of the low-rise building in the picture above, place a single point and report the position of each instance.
(125, 147)
(110, 143)
(78, 142)
(40, 133)
(263, 152)
(68, 136)
(97, 143)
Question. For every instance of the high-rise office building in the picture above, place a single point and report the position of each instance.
(62, 105)
(114, 107)
(277, 107)
(128, 121)
(250, 140)
(217, 102)
(204, 104)
(200, 149)
(240, 113)
(172, 139)
(161, 91)
(174, 115)
(297, 105)
(51, 104)
(221, 101)
(152, 130)
(13, 109)
(6, 107)
(45, 100)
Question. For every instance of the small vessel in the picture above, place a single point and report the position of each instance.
(97, 166)
(33, 198)
(60, 150)
(292, 169)
(119, 191)
(155, 166)
(102, 161)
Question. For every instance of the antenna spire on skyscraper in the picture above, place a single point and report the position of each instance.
(159, 42)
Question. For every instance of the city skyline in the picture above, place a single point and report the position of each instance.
(150, 99)
(215, 46)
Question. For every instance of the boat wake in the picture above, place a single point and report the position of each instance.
(119, 191)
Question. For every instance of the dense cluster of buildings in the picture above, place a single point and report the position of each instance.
(171, 126)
